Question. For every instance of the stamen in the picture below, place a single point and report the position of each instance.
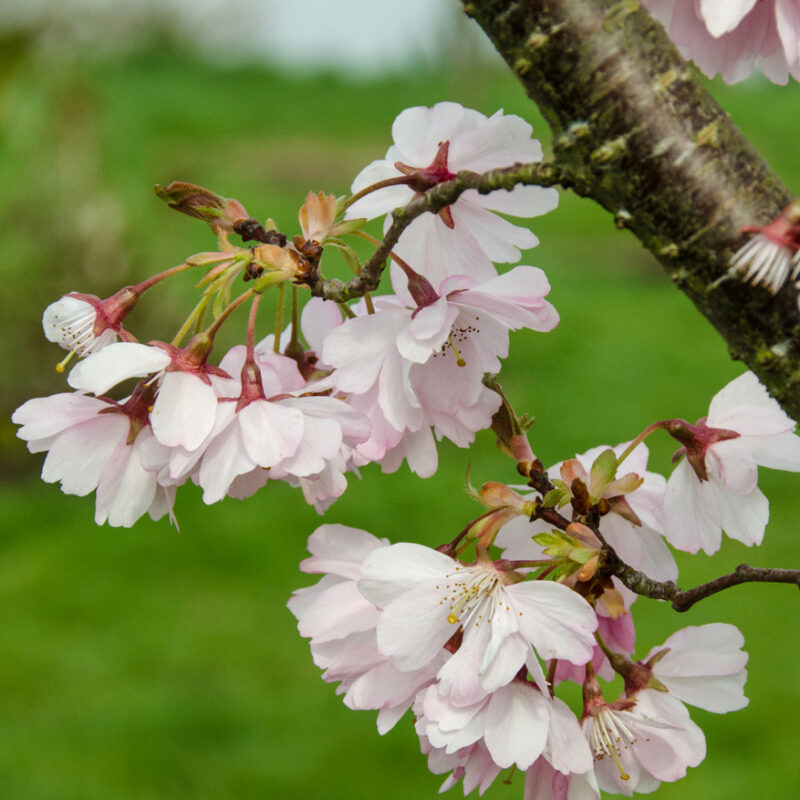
(62, 365)
(459, 359)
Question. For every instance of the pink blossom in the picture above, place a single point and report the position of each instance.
(704, 666)
(773, 253)
(639, 743)
(516, 722)
(431, 145)
(341, 622)
(730, 36)
(95, 443)
(186, 403)
(417, 369)
(84, 324)
(714, 487)
(495, 622)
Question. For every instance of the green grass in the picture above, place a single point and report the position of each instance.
(147, 664)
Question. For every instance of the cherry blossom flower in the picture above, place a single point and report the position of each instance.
(341, 624)
(421, 369)
(186, 403)
(95, 443)
(639, 743)
(497, 623)
(262, 431)
(84, 324)
(714, 487)
(773, 253)
(703, 666)
(516, 722)
(432, 145)
(730, 36)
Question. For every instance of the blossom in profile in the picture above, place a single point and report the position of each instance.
(341, 624)
(84, 324)
(704, 666)
(714, 488)
(432, 145)
(772, 254)
(731, 36)
(639, 742)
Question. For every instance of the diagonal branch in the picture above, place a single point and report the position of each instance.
(433, 201)
(655, 149)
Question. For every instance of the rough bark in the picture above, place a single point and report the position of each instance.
(638, 133)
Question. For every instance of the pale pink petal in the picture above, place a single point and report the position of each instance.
(393, 570)
(183, 413)
(270, 431)
(744, 517)
(723, 17)
(557, 621)
(42, 417)
(100, 371)
(692, 513)
(126, 490)
(517, 722)
(339, 549)
(79, 455)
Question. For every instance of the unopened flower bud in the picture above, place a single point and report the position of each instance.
(193, 200)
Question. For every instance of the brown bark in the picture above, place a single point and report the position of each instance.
(637, 132)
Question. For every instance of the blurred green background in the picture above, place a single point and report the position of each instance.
(148, 664)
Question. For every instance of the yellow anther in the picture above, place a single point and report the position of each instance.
(452, 619)
(62, 365)
(459, 359)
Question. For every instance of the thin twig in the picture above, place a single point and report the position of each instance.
(540, 173)
(683, 600)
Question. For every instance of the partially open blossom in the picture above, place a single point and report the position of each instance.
(772, 255)
(432, 145)
(637, 743)
(714, 487)
(84, 324)
(731, 36)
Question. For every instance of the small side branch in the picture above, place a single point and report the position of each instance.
(434, 200)
(683, 600)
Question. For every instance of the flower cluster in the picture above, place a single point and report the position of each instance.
(380, 384)
(405, 626)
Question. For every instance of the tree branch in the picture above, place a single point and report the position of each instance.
(683, 600)
(540, 173)
(648, 143)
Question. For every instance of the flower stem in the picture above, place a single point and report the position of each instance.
(227, 311)
(251, 327)
(640, 438)
(276, 345)
(168, 273)
(374, 187)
